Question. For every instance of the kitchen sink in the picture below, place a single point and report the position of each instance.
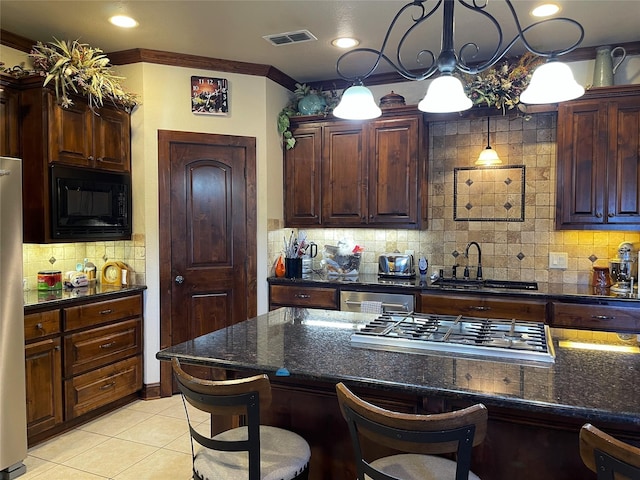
(468, 283)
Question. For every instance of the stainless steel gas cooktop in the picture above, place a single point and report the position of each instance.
(420, 332)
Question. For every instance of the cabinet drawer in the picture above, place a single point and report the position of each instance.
(102, 386)
(479, 306)
(311, 297)
(596, 317)
(102, 312)
(100, 346)
(42, 324)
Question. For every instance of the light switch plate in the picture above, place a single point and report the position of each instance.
(558, 260)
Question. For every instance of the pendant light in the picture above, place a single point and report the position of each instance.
(488, 157)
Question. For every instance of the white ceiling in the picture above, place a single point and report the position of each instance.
(233, 30)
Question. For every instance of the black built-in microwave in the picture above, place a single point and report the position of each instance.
(89, 204)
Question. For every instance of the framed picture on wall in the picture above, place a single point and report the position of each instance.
(209, 96)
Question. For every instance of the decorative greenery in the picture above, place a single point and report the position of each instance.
(501, 86)
(291, 109)
(76, 67)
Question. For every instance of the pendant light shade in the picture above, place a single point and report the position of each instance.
(444, 95)
(357, 103)
(552, 82)
(488, 156)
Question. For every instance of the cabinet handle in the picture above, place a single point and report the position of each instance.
(602, 317)
(611, 215)
(599, 215)
(99, 159)
(108, 385)
(107, 345)
(302, 295)
(39, 326)
(90, 158)
(106, 312)
(480, 308)
(57, 348)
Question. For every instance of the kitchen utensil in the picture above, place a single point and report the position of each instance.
(601, 277)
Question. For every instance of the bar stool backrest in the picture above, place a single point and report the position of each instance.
(607, 456)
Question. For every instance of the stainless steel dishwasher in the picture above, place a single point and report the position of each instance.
(375, 302)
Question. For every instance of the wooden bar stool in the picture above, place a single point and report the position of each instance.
(253, 451)
(608, 457)
(420, 436)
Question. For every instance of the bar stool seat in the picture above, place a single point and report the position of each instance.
(252, 450)
(422, 438)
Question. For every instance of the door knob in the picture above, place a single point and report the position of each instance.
(179, 279)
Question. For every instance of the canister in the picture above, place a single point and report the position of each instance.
(50, 280)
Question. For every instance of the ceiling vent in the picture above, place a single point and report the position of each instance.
(287, 38)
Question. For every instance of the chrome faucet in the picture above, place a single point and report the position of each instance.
(479, 268)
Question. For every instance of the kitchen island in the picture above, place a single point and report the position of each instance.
(535, 408)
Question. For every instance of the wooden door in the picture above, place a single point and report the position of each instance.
(582, 152)
(344, 173)
(43, 369)
(624, 161)
(207, 236)
(393, 172)
(302, 164)
(112, 140)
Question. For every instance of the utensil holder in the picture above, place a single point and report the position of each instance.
(293, 267)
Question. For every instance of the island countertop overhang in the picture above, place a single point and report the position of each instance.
(313, 345)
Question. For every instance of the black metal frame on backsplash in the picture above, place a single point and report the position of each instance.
(510, 206)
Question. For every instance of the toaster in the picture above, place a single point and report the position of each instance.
(396, 265)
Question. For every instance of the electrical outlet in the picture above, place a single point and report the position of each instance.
(558, 260)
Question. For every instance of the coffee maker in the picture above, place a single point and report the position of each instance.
(624, 269)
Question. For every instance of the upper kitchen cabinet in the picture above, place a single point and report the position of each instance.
(74, 136)
(9, 119)
(599, 160)
(357, 174)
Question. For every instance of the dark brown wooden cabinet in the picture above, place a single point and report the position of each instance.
(357, 174)
(80, 360)
(598, 170)
(9, 119)
(73, 136)
(608, 318)
(303, 296)
(483, 306)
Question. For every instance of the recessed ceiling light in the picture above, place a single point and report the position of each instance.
(345, 42)
(545, 10)
(123, 21)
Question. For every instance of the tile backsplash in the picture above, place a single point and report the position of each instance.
(65, 256)
(510, 250)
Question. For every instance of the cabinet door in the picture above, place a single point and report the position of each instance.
(302, 164)
(393, 172)
(43, 370)
(344, 174)
(624, 161)
(9, 124)
(69, 133)
(582, 153)
(112, 140)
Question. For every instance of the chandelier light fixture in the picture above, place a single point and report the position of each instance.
(488, 157)
(552, 82)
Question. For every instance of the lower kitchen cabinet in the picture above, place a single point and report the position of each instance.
(81, 360)
(303, 296)
(483, 306)
(612, 318)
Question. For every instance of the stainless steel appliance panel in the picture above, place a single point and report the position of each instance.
(368, 301)
(13, 410)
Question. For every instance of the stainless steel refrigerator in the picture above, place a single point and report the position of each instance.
(13, 409)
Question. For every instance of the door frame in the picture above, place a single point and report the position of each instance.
(165, 139)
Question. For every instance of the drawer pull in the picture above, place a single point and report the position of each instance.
(602, 317)
(107, 345)
(106, 312)
(39, 326)
(108, 385)
(479, 308)
(302, 295)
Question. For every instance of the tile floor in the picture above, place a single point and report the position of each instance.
(142, 440)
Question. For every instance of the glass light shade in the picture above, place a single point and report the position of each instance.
(488, 156)
(357, 103)
(444, 95)
(552, 82)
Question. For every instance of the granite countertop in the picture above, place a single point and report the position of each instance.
(35, 299)
(548, 291)
(315, 345)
